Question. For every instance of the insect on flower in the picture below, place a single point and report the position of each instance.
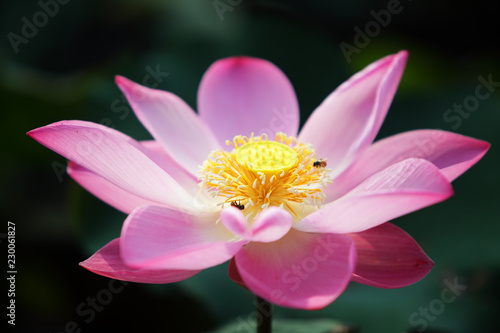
(320, 163)
(237, 205)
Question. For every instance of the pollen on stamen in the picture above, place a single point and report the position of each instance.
(241, 175)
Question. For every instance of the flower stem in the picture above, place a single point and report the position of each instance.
(264, 315)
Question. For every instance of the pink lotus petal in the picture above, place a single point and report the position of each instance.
(107, 262)
(400, 189)
(162, 238)
(389, 258)
(452, 153)
(121, 199)
(115, 157)
(301, 270)
(348, 120)
(105, 190)
(241, 95)
(171, 122)
(157, 154)
(234, 220)
(269, 226)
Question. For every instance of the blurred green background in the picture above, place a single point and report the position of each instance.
(66, 71)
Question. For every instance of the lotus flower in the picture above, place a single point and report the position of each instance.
(298, 215)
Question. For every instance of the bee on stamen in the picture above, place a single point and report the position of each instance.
(237, 205)
(319, 163)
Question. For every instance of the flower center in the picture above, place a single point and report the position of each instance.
(259, 173)
(266, 156)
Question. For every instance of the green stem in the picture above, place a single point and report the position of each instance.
(264, 316)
